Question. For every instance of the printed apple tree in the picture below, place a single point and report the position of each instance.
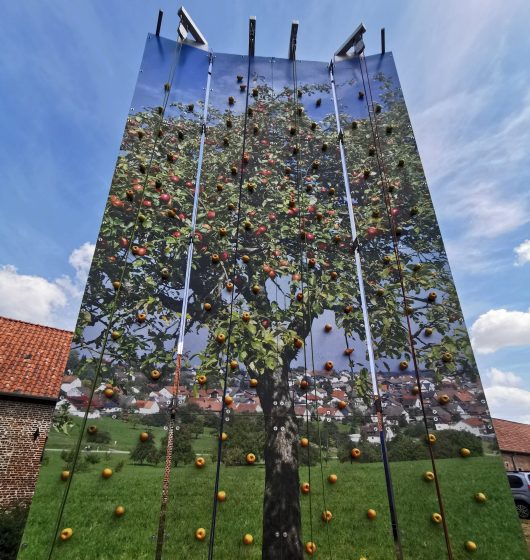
(394, 206)
(272, 253)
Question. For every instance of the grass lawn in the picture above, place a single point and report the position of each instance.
(98, 534)
(124, 435)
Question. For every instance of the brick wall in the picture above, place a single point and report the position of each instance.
(516, 461)
(20, 454)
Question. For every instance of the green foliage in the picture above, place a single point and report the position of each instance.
(11, 529)
(309, 456)
(101, 436)
(182, 446)
(247, 435)
(449, 442)
(73, 360)
(211, 420)
(233, 456)
(197, 426)
(326, 434)
(62, 421)
(158, 420)
(370, 452)
(415, 430)
(146, 452)
(92, 458)
(404, 448)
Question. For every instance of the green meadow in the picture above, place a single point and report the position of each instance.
(99, 535)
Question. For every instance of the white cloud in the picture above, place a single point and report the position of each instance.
(506, 399)
(81, 259)
(496, 376)
(510, 403)
(38, 300)
(523, 253)
(29, 298)
(486, 212)
(500, 328)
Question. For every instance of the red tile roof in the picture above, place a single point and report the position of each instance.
(476, 422)
(32, 358)
(212, 405)
(512, 436)
(246, 407)
(464, 396)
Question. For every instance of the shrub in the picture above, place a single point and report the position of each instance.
(146, 452)
(308, 456)
(404, 448)
(92, 458)
(98, 437)
(182, 448)
(370, 452)
(234, 456)
(11, 529)
(449, 442)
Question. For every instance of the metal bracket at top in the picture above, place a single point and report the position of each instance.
(159, 22)
(355, 40)
(187, 25)
(251, 35)
(292, 40)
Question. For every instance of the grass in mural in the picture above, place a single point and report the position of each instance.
(99, 535)
(123, 435)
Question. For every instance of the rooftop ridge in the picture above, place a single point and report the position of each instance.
(2, 318)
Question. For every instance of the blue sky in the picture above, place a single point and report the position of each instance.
(68, 74)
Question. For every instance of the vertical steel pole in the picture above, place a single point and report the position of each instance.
(182, 329)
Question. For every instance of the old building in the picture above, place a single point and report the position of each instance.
(514, 444)
(32, 363)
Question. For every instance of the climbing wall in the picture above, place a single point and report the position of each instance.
(270, 359)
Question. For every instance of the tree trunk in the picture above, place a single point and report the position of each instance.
(281, 499)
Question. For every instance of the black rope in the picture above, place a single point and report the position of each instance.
(395, 241)
(303, 268)
(308, 306)
(114, 307)
(229, 333)
(272, 131)
(376, 400)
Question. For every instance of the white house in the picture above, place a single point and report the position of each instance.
(69, 384)
(147, 407)
(464, 427)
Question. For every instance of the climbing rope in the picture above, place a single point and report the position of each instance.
(114, 305)
(211, 541)
(303, 269)
(387, 200)
(182, 329)
(375, 389)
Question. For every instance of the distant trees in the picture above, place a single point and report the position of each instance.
(246, 436)
(146, 452)
(101, 436)
(410, 445)
(182, 446)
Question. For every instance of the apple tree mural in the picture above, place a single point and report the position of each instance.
(272, 311)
